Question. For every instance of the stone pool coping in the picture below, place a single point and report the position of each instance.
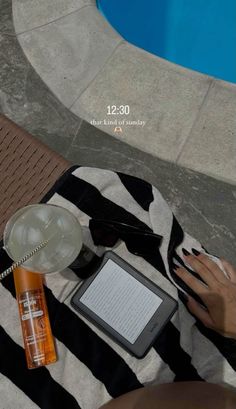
(190, 118)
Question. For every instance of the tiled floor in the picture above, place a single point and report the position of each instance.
(204, 206)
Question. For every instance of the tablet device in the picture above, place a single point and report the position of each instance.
(124, 304)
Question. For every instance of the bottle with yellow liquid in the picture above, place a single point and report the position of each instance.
(36, 329)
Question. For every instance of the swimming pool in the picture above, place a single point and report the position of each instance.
(198, 34)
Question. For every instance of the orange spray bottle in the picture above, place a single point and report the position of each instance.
(36, 329)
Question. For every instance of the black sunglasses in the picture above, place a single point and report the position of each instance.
(138, 241)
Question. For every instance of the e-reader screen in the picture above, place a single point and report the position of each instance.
(121, 301)
(124, 303)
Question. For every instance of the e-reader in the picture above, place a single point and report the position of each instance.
(125, 304)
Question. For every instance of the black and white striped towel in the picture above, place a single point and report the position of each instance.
(91, 368)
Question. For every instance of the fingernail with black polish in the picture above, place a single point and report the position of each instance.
(205, 250)
(195, 252)
(175, 266)
(186, 252)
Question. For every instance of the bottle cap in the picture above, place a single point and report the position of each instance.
(26, 280)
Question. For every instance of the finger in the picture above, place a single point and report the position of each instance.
(201, 269)
(213, 268)
(196, 309)
(230, 270)
(196, 285)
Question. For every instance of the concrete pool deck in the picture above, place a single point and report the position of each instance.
(190, 118)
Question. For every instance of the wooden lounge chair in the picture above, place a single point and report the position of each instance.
(28, 169)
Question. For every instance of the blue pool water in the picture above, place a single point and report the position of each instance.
(198, 34)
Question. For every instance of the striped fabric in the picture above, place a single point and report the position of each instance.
(91, 368)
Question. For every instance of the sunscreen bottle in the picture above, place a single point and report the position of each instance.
(35, 324)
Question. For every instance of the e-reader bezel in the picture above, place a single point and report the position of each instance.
(153, 328)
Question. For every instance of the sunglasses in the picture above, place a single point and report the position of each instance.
(138, 241)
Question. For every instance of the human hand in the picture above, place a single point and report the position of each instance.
(218, 292)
